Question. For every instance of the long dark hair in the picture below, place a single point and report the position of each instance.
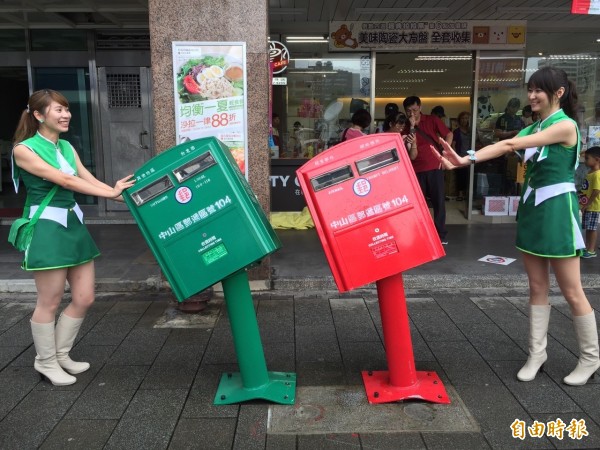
(39, 101)
(393, 119)
(550, 80)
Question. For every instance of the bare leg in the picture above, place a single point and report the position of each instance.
(81, 279)
(568, 277)
(538, 273)
(590, 239)
(50, 285)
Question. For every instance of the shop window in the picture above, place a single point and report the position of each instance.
(322, 94)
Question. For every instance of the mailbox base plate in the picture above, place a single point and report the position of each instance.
(279, 388)
(428, 387)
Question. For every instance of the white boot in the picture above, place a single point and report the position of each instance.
(66, 331)
(539, 317)
(589, 360)
(45, 361)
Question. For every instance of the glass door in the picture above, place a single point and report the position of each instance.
(501, 114)
(444, 83)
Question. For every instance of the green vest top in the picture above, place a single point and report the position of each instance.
(37, 187)
(551, 164)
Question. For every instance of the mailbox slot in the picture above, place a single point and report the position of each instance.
(194, 167)
(336, 176)
(149, 192)
(377, 161)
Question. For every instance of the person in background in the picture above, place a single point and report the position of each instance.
(548, 225)
(526, 115)
(509, 124)
(395, 123)
(294, 144)
(61, 249)
(428, 129)
(438, 111)
(361, 119)
(390, 109)
(589, 201)
(275, 122)
(462, 143)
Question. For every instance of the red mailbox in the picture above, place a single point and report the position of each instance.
(368, 210)
(374, 224)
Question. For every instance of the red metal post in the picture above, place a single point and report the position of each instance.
(401, 381)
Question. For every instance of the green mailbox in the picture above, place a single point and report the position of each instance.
(199, 216)
(203, 223)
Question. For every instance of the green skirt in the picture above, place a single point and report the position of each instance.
(550, 229)
(54, 246)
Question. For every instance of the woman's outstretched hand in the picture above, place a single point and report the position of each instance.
(122, 184)
(449, 158)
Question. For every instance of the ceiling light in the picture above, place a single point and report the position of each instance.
(283, 11)
(308, 41)
(443, 57)
(303, 38)
(529, 10)
(410, 80)
(499, 80)
(400, 10)
(453, 93)
(572, 57)
(421, 71)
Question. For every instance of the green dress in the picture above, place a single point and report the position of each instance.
(61, 238)
(548, 222)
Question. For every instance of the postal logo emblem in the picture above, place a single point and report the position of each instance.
(361, 187)
(183, 194)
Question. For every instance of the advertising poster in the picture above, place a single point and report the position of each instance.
(593, 137)
(211, 95)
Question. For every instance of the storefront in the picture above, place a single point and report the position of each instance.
(479, 74)
(105, 73)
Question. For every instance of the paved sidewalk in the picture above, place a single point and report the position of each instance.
(151, 385)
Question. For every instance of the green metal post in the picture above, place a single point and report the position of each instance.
(253, 381)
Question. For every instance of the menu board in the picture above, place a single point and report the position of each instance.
(211, 94)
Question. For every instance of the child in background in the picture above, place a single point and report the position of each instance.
(590, 201)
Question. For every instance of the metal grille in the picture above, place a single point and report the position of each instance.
(123, 90)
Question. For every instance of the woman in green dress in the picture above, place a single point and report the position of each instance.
(61, 249)
(548, 225)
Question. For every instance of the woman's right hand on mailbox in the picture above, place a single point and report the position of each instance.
(122, 184)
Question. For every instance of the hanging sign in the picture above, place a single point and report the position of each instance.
(427, 35)
(279, 56)
(211, 95)
(585, 7)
